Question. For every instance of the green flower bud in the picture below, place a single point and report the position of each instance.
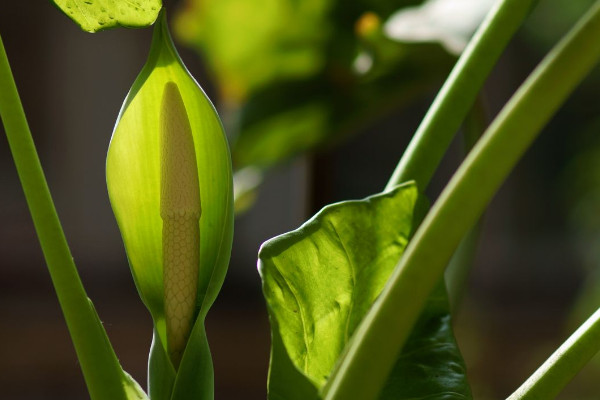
(170, 185)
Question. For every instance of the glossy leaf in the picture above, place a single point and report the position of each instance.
(320, 280)
(134, 185)
(430, 365)
(96, 15)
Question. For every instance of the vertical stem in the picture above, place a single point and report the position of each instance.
(455, 99)
(101, 369)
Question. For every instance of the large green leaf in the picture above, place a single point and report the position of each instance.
(96, 15)
(320, 280)
(135, 163)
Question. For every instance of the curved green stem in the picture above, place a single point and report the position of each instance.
(456, 97)
(101, 369)
(552, 376)
(379, 338)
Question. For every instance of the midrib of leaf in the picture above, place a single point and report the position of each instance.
(131, 3)
(353, 275)
(81, 12)
(302, 317)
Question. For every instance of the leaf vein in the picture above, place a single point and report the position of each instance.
(353, 276)
(300, 313)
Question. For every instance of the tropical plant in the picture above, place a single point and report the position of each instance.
(357, 299)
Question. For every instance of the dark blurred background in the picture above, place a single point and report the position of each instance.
(533, 278)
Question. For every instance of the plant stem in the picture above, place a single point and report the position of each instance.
(552, 376)
(456, 97)
(379, 338)
(101, 369)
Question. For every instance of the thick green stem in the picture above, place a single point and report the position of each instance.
(379, 338)
(101, 369)
(456, 97)
(563, 364)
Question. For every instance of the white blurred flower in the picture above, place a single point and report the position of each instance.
(450, 22)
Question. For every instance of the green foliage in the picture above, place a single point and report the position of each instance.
(458, 207)
(357, 310)
(97, 15)
(321, 279)
(298, 75)
(133, 178)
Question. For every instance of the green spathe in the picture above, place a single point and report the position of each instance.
(321, 279)
(134, 185)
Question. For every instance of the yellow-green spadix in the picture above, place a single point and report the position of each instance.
(180, 212)
(170, 186)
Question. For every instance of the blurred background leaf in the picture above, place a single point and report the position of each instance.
(302, 75)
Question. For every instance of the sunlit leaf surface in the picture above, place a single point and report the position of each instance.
(321, 279)
(134, 185)
(96, 15)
